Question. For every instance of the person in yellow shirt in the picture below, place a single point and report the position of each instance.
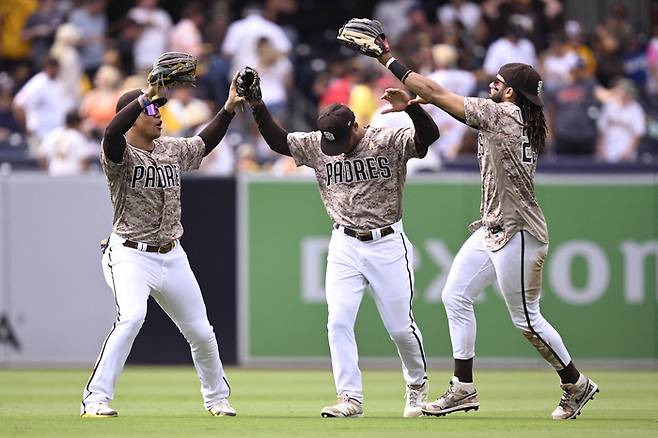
(13, 15)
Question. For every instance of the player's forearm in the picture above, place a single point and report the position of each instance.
(425, 88)
(114, 143)
(214, 131)
(426, 130)
(275, 136)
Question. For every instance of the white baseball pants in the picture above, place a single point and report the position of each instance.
(133, 276)
(517, 267)
(387, 265)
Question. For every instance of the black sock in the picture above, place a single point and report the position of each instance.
(464, 370)
(569, 374)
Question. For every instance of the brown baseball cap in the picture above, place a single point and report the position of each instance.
(524, 79)
(335, 123)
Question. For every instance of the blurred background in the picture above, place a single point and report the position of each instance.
(256, 231)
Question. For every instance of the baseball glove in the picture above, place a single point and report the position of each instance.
(172, 69)
(364, 35)
(248, 85)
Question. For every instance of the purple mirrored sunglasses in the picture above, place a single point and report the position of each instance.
(151, 109)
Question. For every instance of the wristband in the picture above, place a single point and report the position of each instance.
(400, 71)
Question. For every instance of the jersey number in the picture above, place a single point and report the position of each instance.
(528, 156)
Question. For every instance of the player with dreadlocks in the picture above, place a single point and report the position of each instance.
(510, 239)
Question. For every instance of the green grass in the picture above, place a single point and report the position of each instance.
(286, 403)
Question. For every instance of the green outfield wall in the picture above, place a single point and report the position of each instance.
(600, 289)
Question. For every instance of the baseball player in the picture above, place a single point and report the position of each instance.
(510, 240)
(361, 173)
(143, 256)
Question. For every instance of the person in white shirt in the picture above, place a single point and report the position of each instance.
(241, 41)
(621, 125)
(42, 103)
(513, 47)
(152, 42)
(65, 150)
(464, 12)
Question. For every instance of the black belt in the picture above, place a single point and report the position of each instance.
(365, 236)
(164, 249)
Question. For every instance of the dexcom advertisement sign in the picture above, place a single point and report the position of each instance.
(600, 288)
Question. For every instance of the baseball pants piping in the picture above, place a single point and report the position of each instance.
(387, 265)
(517, 268)
(133, 276)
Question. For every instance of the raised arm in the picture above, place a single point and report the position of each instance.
(114, 144)
(428, 90)
(367, 36)
(426, 131)
(247, 83)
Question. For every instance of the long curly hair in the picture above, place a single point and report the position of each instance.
(534, 122)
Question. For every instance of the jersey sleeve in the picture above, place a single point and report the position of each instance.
(111, 168)
(304, 147)
(191, 152)
(484, 114)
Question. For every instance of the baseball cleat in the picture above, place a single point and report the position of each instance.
(459, 397)
(415, 396)
(346, 407)
(222, 409)
(574, 397)
(97, 410)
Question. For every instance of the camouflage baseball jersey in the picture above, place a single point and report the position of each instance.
(145, 188)
(363, 189)
(507, 168)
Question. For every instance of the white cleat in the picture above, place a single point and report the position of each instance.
(346, 407)
(574, 397)
(459, 397)
(222, 409)
(415, 396)
(97, 410)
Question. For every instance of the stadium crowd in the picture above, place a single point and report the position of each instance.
(63, 65)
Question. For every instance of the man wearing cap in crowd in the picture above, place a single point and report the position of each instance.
(510, 239)
(361, 172)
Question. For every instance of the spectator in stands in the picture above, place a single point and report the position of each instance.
(65, 51)
(184, 113)
(572, 110)
(91, 21)
(275, 70)
(609, 44)
(636, 64)
(242, 36)
(652, 61)
(41, 104)
(557, 63)
(98, 106)
(513, 47)
(120, 51)
(576, 43)
(186, 34)
(335, 85)
(364, 97)
(154, 37)
(458, 81)
(13, 17)
(40, 30)
(393, 16)
(621, 124)
(468, 14)
(8, 123)
(421, 34)
(65, 150)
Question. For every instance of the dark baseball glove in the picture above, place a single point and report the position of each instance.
(248, 85)
(172, 69)
(364, 35)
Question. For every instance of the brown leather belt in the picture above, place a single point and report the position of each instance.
(164, 249)
(365, 236)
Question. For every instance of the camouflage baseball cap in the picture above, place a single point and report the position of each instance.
(335, 124)
(524, 79)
